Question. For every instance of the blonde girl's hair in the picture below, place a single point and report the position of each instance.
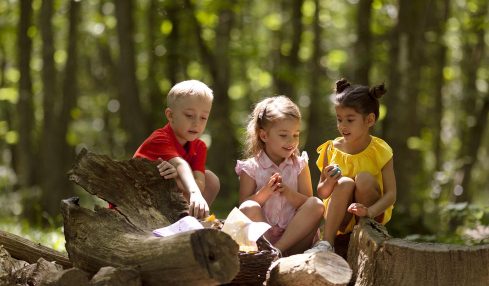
(265, 113)
(186, 89)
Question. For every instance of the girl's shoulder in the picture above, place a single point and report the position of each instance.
(249, 166)
(330, 144)
(379, 145)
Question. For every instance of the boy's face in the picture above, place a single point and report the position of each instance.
(188, 118)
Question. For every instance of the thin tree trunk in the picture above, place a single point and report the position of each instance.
(441, 59)
(363, 44)
(403, 86)
(319, 119)
(173, 44)
(222, 153)
(51, 163)
(155, 98)
(25, 110)
(131, 112)
(471, 134)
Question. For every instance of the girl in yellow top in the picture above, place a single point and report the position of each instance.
(357, 173)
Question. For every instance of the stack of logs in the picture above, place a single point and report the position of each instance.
(117, 247)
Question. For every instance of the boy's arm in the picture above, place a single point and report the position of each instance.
(198, 206)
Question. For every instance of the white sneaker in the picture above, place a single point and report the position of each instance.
(320, 246)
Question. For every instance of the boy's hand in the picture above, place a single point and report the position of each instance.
(166, 169)
(198, 205)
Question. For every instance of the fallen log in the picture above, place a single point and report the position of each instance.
(321, 268)
(26, 250)
(122, 237)
(110, 276)
(378, 259)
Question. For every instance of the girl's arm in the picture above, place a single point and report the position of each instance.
(247, 186)
(304, 189)
(389, 196)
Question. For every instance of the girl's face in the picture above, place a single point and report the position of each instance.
(353, 125)
(281, 139)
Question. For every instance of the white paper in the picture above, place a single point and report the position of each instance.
(243, 230)
(184, 224)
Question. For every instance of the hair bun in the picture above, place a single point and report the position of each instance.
(341, 85)
(377, 91)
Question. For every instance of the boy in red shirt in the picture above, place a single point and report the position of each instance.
(177, 146)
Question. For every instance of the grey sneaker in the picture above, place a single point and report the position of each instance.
(321, 245)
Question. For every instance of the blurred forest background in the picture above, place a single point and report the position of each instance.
(94, 74)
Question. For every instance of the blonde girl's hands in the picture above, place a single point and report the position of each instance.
(166, 169)
(272, 185)
(358, 209)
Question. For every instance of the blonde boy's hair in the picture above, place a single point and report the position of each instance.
(186, 89)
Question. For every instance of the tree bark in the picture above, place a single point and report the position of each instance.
(26, 250)
(25, 149)
(378, 259)
(110, 276)
(131, 112)
(122, 237)
(325, 268)
(362, 46)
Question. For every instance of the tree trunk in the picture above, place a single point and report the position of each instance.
(378, 259)
(402, 97)
(51, 164)
(224, 144)
(319, 117)
(362, 46)
(25, 149)
(131, 112)
(472, 125)
(122, 237)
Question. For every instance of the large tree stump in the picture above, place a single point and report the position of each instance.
(323, 268)
(122, 237)
(378, 259)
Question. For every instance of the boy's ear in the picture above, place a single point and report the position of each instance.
(169, 114)
(263, 135)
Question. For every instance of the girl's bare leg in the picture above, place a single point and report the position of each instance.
(336, 215)
(212, 186)
(302, 228)
(367, 190)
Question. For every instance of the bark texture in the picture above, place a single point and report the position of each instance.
(378, 259)
(122, 237)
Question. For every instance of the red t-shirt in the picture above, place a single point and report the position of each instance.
(163, 144)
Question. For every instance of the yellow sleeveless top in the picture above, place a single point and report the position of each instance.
(370, 160)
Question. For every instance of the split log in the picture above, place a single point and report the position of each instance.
(378, 259)
(8, 266)
(322, 268)
(110, 276)
(68, 277)
(123, 238)
(26, 250)
(34, 274)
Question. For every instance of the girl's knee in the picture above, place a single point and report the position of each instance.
(249, 205)
(314, 204)
(212, 181)
(365, 181)
(346, 184)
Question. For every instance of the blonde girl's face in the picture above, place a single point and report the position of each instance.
(353, 125)
(281, 139)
